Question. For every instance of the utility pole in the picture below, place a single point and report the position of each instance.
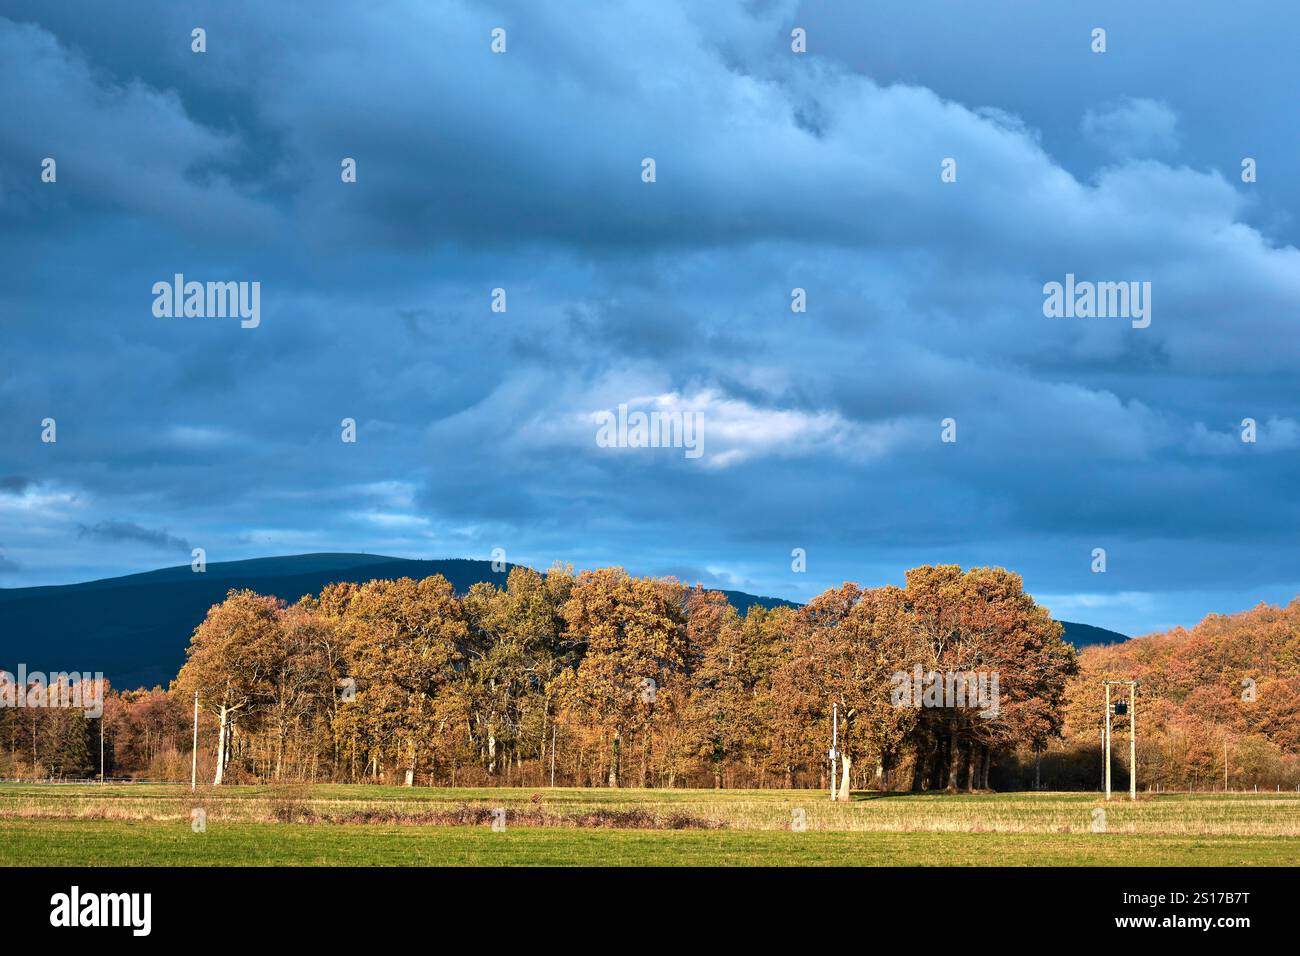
(194, 754)
(1132, 742)
(101, 749)
(835, 741)
(1121, 709)
(1107, 740)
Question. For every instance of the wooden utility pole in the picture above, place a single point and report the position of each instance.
(1103, 758)
(835, 740)
(1108, 740)
(194, 754)
(1132, 742)
(1132, 734)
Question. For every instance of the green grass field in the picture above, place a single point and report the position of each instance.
(128, 825)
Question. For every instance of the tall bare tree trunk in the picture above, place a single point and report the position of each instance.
(546, 717)
(646, 745)
(613, 759)
(954, 759)
(221, 747)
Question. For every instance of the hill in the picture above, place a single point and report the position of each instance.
(1087, 635)
(135, 628)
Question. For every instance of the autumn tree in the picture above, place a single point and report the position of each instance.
(298, 677)
(230, 658)
(515, 653)
(722, 714)
(406, 641)
(982, 622)
(633, 631)
(845, 646)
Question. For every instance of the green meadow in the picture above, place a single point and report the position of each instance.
(141, 825)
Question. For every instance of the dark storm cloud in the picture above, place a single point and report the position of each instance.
(475, 429)
(129, 531)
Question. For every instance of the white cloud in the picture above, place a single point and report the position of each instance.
(1276, 434)
(736, 430)
(1134, 128)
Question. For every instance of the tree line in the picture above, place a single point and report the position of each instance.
(603, 678)
(1218, 707)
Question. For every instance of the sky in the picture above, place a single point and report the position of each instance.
(774, 170)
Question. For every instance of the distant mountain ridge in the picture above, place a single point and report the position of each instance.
(135, 628)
